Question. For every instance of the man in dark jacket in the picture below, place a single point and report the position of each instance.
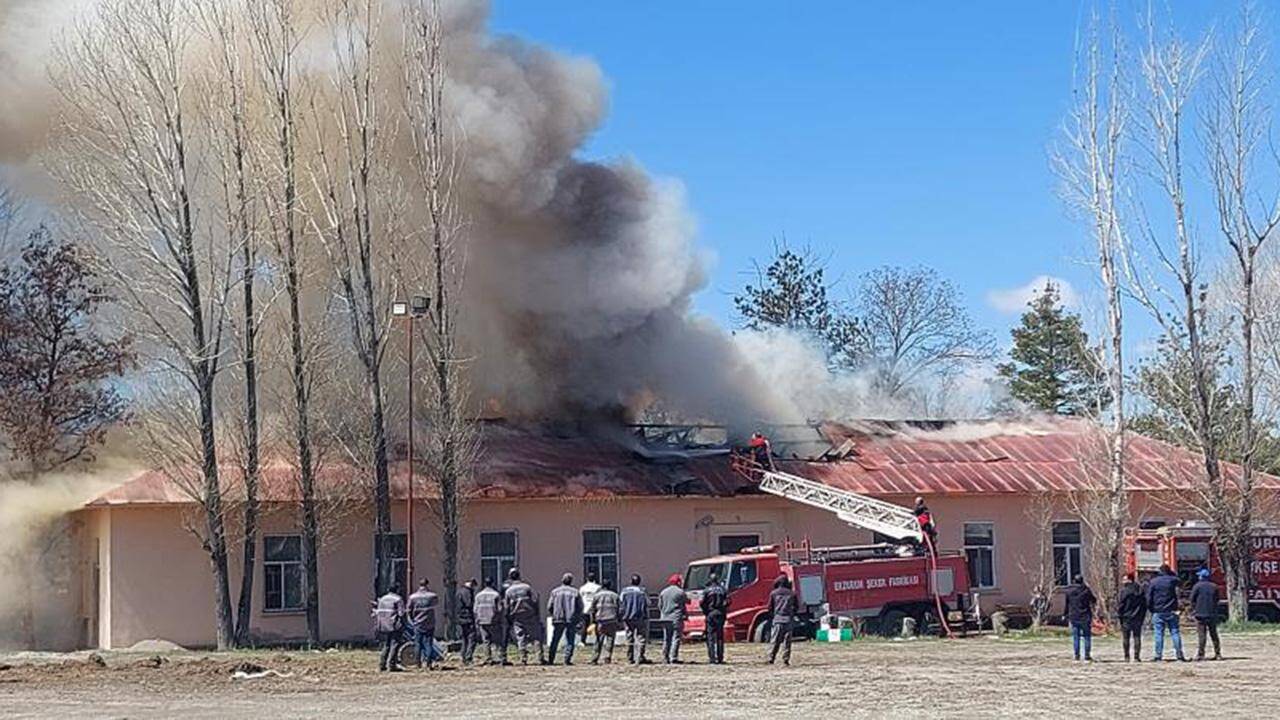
(1205, 599)
(1162, 601)
(783, 605)
(604, 615)
(671, 613)
(564, 605)
(466, 616)
(927, 526)
(634, 602)
(421, 611)
(1131, 606)
(715, 606)
(1080, 602)
(524, 613)
(388, 622)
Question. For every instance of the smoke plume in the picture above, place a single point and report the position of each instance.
(580, 274)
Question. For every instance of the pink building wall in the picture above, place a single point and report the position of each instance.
(154, 579)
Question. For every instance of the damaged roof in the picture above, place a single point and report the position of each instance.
(873, 458)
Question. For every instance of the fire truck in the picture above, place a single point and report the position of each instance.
(880, 584)
(1187, 548)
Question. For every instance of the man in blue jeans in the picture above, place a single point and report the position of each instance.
(421, 612)
(1162, 600)
(1080, 602)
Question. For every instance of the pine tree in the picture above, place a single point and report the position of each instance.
(1051, 367)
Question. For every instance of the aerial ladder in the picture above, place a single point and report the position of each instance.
(857, 510)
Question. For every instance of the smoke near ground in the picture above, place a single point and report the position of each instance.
(39, 602)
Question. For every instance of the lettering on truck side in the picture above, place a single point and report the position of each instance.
(875, 583)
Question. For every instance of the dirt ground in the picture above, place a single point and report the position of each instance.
(973, 677)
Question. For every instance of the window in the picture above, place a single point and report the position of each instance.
(600, 554)
(282, 571)
(1066, 552)
(730, 544)
(399, 557)
(699, 576)
(980, 549)
(497, 555)
(743, 573)
(1151, 524)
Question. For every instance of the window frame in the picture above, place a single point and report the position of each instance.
(283, 565)
(399, 564)
(991, 549)
(515, 556)
(1070, 572)
(719, 539)
(598, 557)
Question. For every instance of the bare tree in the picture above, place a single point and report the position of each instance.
(349, 181)
(452, 438)
(1036, 561)
(275, 32)
(1237, 124)
(913, 327)
(227, 97)
(128, 152)
(1089, 165)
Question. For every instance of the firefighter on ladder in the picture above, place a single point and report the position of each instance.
(925, 518)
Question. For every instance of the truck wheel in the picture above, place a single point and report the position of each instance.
(891, 623)
(762, 631)
(1264, 614)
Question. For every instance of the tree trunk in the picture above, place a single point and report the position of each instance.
(244, 612)
(216, 536)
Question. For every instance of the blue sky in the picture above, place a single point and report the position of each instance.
(875, 132)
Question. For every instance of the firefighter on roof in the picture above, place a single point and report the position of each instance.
(761, 451)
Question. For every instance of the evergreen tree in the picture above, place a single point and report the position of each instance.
(1050, 366)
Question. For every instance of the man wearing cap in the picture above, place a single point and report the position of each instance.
(1162, 601)
(564, 605)
(1205, 599)
(671, 613)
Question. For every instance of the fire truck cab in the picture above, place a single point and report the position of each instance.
(875, 583)
(1187, 548)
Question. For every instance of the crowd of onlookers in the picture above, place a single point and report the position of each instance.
(1159, 598)
(512, 615)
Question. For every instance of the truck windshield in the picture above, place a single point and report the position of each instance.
(698, 576)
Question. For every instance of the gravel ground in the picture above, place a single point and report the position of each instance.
(973, 677)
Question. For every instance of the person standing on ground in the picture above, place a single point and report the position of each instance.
(604, 615)
(1080, 602)
(635, 618)
(715, 606)
(1162, 601)
(588, 592)
(388, 621)
(421, 611)
(671, 613)
(466, 617)
(1131, 606)
(564, 604)
(491, 617)
(783, 605)
(525, 615)
(1205, 599)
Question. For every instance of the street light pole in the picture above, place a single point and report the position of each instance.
(417, 306)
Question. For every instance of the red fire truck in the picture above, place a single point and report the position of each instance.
(871, 582)
(1186, 549)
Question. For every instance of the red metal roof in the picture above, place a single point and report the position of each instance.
(888, 459)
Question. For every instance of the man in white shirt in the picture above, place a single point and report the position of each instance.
(588, 592)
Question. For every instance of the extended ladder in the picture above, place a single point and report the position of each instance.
(858, 510)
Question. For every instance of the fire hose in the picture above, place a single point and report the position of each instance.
(937, 599)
